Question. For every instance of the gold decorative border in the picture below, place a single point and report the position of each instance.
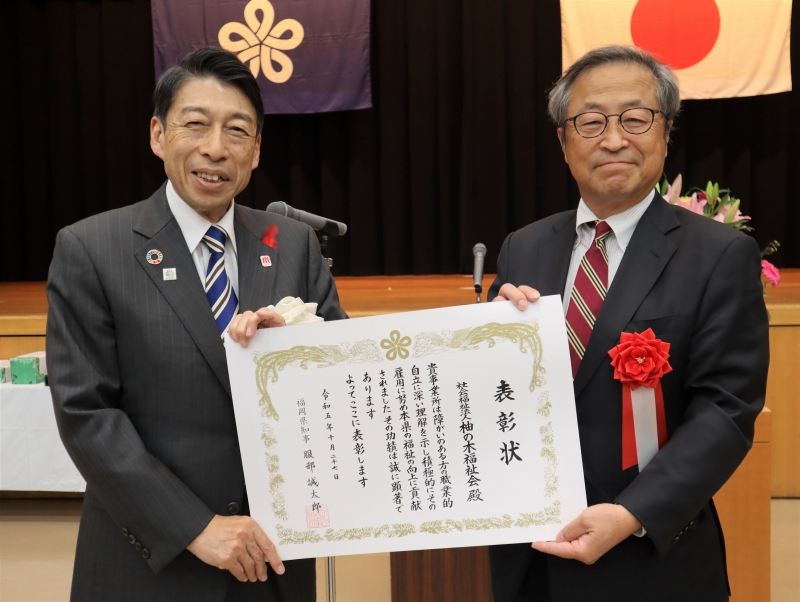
(273, 466)
(547, 516)
(548, 449)
(525, 334)
(270, 363)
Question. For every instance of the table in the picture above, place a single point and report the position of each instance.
(32, 457)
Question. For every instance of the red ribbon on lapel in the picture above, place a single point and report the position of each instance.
(271, 236)
(639, 361)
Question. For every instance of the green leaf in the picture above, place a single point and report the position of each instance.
(662, 188)
(743, 226)
(770, 248)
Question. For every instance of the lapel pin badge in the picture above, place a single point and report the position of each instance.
(170, 273)
(154, 257)
(266, 261)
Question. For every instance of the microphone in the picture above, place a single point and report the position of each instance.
(479, 251)
(323, 224)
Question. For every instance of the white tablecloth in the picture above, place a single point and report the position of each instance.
(32, 457)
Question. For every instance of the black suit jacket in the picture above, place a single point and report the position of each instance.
(696, 283)
(142, 397)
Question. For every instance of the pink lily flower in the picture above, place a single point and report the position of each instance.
(693, 204)
(674, 190)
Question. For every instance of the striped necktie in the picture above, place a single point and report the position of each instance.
(588, 293)
(219, 291)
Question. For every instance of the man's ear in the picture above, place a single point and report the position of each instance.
(667, 134)
(157, 137)
(257, 154)
(562, 140)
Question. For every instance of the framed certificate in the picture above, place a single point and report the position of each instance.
(431, 429)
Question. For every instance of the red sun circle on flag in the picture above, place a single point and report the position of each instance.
(680, 33)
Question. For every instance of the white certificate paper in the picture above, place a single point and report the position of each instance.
(431, 429)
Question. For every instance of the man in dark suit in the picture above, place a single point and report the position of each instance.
(139, 300)
(627, 261)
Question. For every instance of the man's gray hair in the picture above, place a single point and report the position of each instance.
(667, 91)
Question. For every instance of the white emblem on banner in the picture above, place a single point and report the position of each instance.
(261, 44)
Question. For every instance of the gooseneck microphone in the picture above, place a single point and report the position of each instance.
(479, 251)
(322, 224)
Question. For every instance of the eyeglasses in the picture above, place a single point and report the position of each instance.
(634, 121)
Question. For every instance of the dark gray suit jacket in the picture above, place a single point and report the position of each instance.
(696, 283)
(142, 397)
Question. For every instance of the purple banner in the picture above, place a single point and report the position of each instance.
(308, 56)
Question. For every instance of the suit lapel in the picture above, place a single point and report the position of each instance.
(185, 295)
(647, 255)
(256, 282)
(552, 275)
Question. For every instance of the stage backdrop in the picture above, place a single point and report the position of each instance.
(308, 56)
(718, 48)
(457, 148)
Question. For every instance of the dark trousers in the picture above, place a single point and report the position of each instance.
(297, 584)
(535, 586)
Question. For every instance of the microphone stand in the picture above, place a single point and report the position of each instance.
(331, 575)
(479, 254)
(329, 231)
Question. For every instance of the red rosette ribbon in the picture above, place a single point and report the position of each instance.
(270, 237)
(639, 361)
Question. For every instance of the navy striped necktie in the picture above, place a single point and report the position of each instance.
(219, 291)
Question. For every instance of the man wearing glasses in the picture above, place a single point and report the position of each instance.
(627, 261)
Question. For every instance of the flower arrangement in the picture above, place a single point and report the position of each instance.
(720, 205)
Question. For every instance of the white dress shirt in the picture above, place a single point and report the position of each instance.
(194, 227)
(622, 227)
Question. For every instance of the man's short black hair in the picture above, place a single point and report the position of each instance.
(206, 63)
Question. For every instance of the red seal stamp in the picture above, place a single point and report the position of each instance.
(317, 516)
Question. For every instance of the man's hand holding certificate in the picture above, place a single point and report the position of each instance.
(434, 429)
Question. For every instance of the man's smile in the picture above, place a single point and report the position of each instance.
(210, 179)
(615, 163)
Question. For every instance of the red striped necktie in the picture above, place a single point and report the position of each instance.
(588, 293)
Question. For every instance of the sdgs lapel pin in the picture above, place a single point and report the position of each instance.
(266, 261)
(154, 257)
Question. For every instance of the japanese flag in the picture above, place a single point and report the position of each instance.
(718, 48)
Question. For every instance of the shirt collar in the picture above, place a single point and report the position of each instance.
(622, 224)
(192, 225)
